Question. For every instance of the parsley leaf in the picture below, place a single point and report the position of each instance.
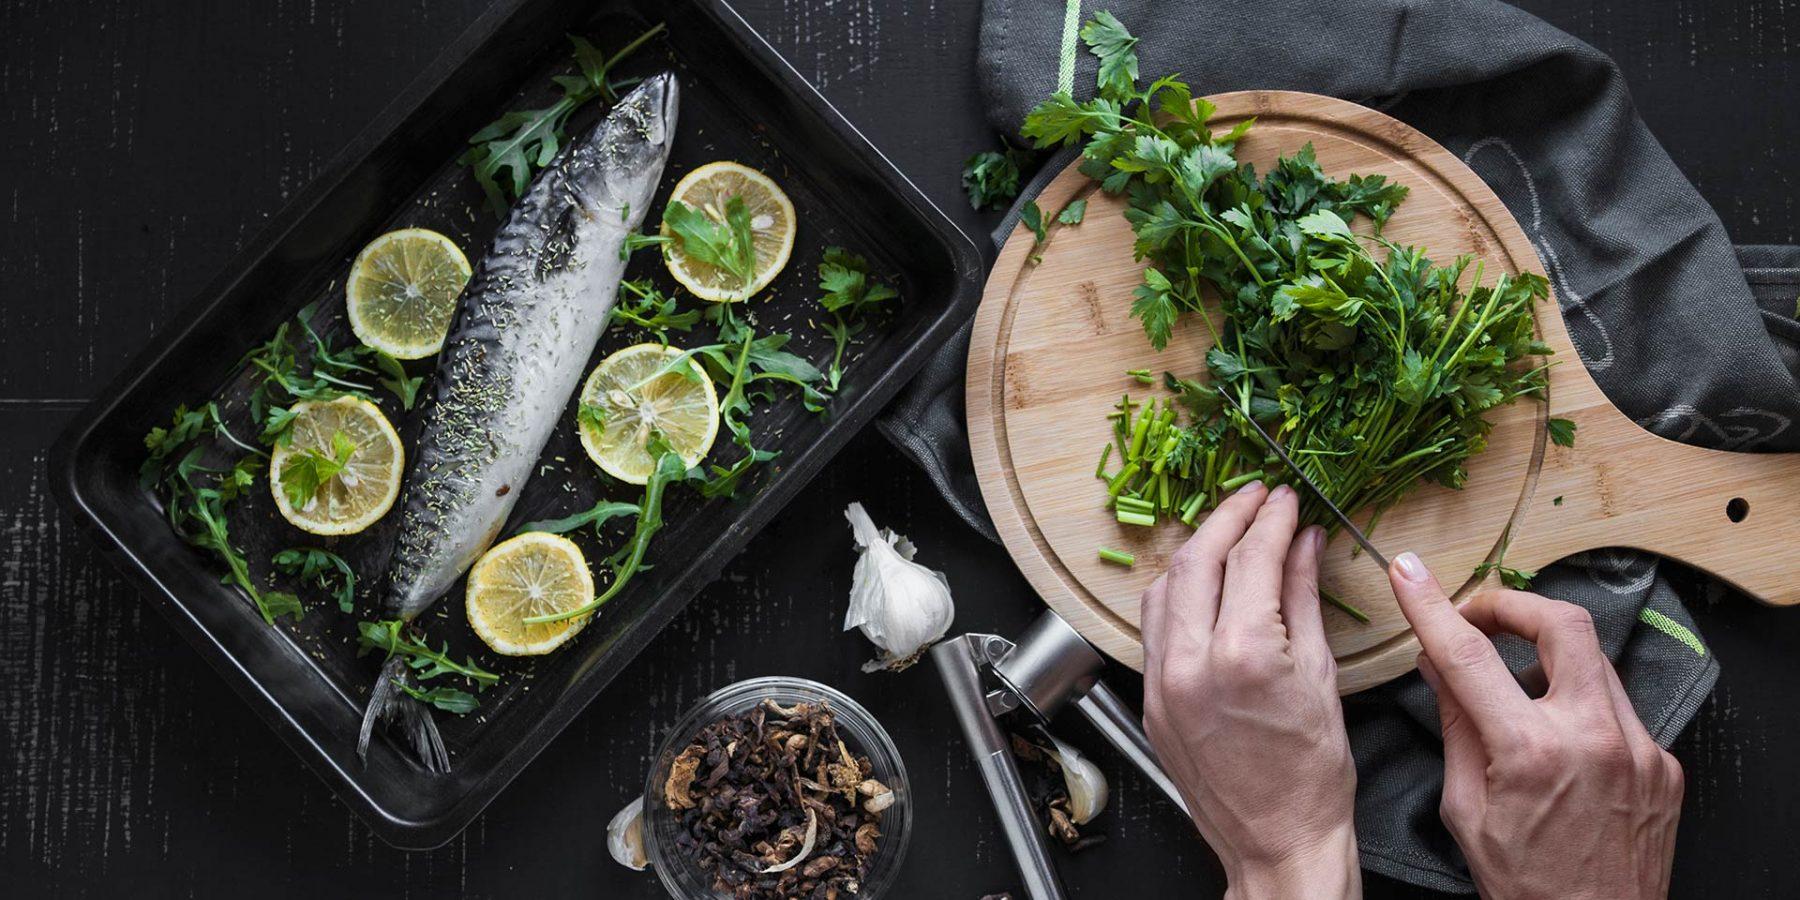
(1113, 45)
(991, 179)
(1073, 213)
(1562, 432)
(848, 294)
(308, 470)
(1517, 579)
(1033, 218)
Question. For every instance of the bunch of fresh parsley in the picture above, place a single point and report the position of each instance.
(1376, 373)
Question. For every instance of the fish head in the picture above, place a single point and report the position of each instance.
(629, 149)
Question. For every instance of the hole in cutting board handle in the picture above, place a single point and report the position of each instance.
(1737, 509)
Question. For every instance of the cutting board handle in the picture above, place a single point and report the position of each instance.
(1621, 486)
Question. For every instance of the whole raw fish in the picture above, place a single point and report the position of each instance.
(524, 330)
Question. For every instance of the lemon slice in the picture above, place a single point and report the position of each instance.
(534, 574)
(772, 225)
(625, 401)
(364, 490)
(402, 292)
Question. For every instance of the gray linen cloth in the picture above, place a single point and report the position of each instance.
(1692, 338)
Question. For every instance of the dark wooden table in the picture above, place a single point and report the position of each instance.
(143, 147)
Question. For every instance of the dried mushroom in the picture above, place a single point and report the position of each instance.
(773, 803)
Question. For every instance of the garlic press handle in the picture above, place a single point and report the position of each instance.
(1121, 727)
(956, 663)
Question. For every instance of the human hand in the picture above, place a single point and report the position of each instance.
(1240, 700)
(1562, 796)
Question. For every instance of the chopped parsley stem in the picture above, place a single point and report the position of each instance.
(1118, 556)
(1348, 609)
(1118, 482)
(1136, 518)
(1132, 504)
(1233, 483)
(1105, 454)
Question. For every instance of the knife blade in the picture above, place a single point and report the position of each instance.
(1356, 533)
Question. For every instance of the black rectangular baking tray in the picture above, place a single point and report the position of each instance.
(742, 101)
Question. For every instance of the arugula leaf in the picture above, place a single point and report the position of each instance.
(444, 697)
(991, 179)
(325, 569)
(395, 379)
(394, 637)
(1113, 45)
(601, 513)
(669, 469)
(727, 245)
(1562, 432)
(642, 305)
(504, 155)
(308, 470)
(1073, 213)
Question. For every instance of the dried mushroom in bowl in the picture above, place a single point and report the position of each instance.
(773, 803)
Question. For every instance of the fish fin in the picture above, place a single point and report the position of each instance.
(387, 703)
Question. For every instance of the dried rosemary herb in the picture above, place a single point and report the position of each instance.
(772, 803)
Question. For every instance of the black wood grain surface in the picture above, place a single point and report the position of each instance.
(143, 145)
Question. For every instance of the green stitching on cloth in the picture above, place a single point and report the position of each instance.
(1672, 628)
(1065, 71)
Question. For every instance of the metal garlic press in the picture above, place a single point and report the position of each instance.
(1049, 667)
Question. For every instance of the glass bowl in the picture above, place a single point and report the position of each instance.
(861, 733)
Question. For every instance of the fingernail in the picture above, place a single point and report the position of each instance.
(1410, 566)
(1280, 492)
(1317, 536)
(1251, 487)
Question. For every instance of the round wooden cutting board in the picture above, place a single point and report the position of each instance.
(1053, 339)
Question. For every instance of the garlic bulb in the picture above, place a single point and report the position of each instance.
(625, 836)
(900, 605)
(1087, 786)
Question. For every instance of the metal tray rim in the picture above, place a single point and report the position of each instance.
(68, 487)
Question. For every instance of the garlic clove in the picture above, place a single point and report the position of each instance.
(625, 836)
(1088, 791)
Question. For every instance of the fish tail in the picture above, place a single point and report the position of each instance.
(387, 703)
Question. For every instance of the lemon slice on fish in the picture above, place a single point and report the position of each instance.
(633, 395)
(534, 574)
(710, 190)
(341, 461)
(402, 292)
